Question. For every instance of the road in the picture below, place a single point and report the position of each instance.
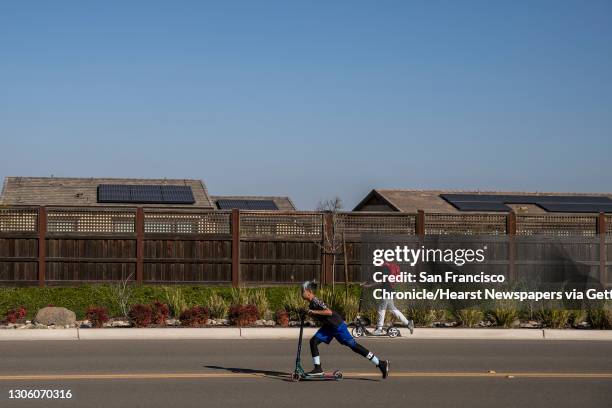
(253, 373)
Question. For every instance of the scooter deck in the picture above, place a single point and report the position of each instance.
(326, 376)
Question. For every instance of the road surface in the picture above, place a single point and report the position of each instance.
(253, 373)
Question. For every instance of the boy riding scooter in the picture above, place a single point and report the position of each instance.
(333, 327)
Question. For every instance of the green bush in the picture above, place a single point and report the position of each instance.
(554, 318)
(505, 315)
(259, 298)
(600, 318)
(425, 317)
(468, 317)
(175, 299)
(217, 306)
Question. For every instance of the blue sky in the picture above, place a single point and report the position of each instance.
(311, 99)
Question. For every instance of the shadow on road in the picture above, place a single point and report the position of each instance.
(278, 375)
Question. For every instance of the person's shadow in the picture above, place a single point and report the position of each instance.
(277, 375)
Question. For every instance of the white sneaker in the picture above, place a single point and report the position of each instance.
(378, 332)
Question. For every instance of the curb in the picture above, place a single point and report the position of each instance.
(268, 333)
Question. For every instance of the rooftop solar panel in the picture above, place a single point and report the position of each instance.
(552, 203)
(577, 207)
(145, 194)
(228, 204)
(481, 206)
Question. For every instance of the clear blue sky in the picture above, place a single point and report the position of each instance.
(311, 99)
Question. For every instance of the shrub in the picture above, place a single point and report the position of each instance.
(292, 302)
(554, 318)
(347, 306)
(243, 315)
(468, 317)
(425, 317)
(600, 318)
(13, 315)
(175, 299)
(259, 298)
(282, 318)
(577, 316)
(97, 316)
(217, 306)
(161, 311)
(240, 296)
(140, 315)
(194, 317)
(506, 315)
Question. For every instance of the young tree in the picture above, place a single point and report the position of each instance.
(332, 240)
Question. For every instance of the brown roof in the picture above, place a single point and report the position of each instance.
(282, 202)
(408, 200)
(68, 191)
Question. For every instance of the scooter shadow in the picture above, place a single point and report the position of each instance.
(277, 375)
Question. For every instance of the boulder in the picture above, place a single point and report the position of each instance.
(58, 316)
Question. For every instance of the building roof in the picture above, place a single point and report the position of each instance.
(282, 202)
(409, 200)
(69, 191)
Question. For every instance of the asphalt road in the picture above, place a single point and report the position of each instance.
(253, 373)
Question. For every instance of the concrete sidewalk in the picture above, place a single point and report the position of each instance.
(234, 333)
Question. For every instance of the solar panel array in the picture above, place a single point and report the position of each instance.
(228, 204)
(145, 194)
(550, 203)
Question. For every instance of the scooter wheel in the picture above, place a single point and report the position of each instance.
(295, 377)
(357, 331)
(337, 375)
(393, 332)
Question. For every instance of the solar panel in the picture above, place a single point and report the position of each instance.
(481, 206)
(112, 193)
(577, 207)
(552, 203)
(145, 194)
(228, 204)
(177, 194)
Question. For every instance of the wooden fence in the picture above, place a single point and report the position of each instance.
(66, 246)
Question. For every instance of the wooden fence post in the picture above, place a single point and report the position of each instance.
(327, 259)
(140, 244)
(419, 224)
(235, 228)
(511, 232)
(42, 245)
(601, 231)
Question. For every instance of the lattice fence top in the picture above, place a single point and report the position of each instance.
(268, 224)
(557, 225)
(465, 224)
(93, 221)
(187, 222)
(356, 224)
(18, 220)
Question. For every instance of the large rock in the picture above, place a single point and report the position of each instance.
(58, 316)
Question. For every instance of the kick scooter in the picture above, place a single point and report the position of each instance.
(300, 374)
(361, 323)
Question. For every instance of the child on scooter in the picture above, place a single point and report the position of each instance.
(333, 327)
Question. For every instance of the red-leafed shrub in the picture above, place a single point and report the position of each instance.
(97, 316)
(282, 318)
(194, 317)
(243, 315)
(161, 311)
(13, 315)
(141, 315)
